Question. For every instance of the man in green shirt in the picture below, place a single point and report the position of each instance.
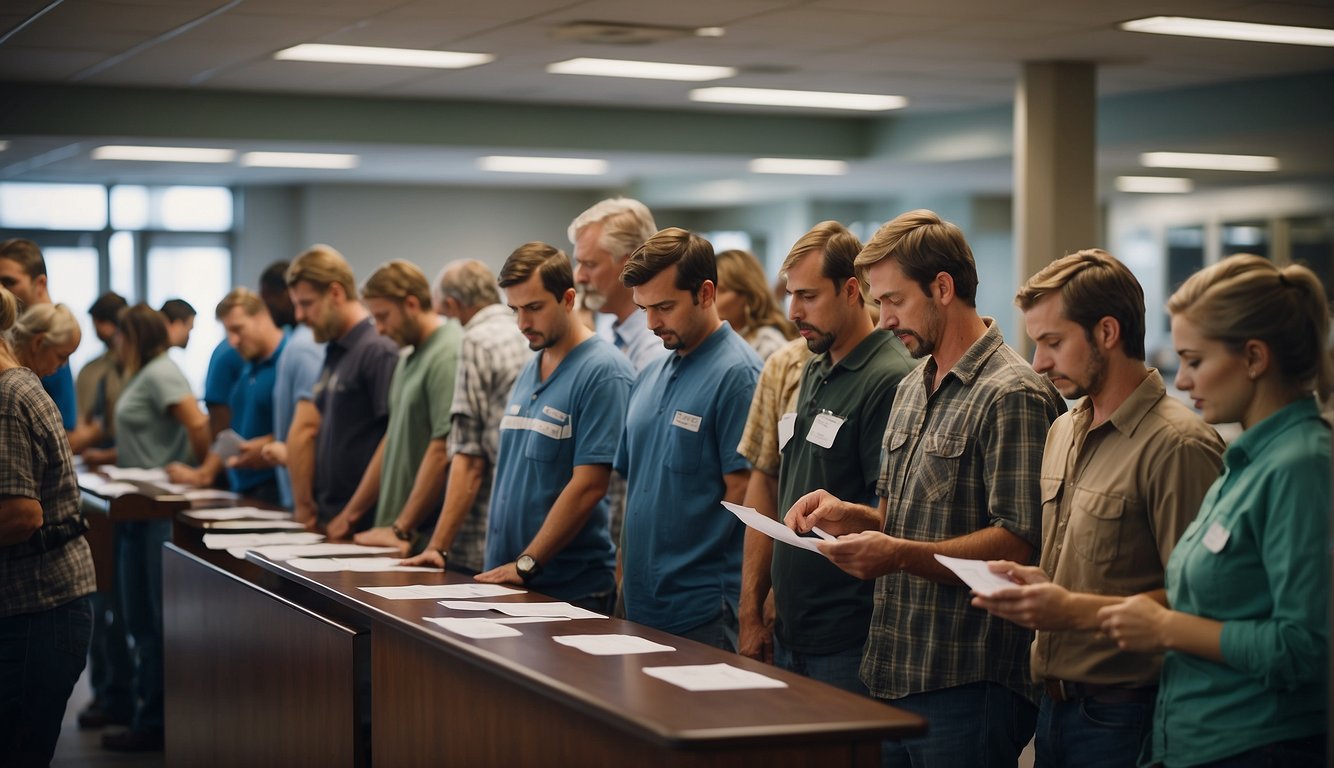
(407, 472)
(831, 441)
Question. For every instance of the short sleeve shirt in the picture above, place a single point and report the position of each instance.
(35, 463)
(820, 608)
(353, 398)
(294, 381)
(957, 460)
(571, 419)
(146, 434)
(1115, 499)
(99, 384)
(252, 412)
(419, 399)
(224, 368)
(60, 386)
(682, 550)
(633, 338)
(775, 395)
(492, 353)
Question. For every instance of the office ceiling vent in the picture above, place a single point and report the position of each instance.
(615, 33)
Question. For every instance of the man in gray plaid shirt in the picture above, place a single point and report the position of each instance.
(491, 356)
(959, 477)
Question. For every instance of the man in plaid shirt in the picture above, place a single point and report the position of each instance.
(959, 477)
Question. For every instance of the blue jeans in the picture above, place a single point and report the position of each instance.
(139, 585)
(841, 670)
(1087, 732)
(41, 657)
(978, 725)
(720, 631)
(110, 667)
(1306, 752)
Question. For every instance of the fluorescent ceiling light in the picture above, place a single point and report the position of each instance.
(164, 154)
(868, 102)
(1208, 162)
(1231, 30)
(577, 166)
(647, 70)
(1154, 184)
(298, 160)
(798, 166)
(389, 57)
(710, 32)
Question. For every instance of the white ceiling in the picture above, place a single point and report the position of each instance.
(945, 56)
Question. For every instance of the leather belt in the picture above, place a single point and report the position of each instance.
(1062, 690)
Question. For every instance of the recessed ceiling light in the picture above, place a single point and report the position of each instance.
(1231, 30)
(1208, 162)
(164, 154)
(771, 97)
(647, 70)
(798, 166)
(577, 166)
(299, 160)
(389, 57)
(710, 32)
(1154, 184)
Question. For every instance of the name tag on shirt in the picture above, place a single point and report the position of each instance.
(555, 414)
(824, 429)
(686, 421)
(1216, 538)
(787, 426)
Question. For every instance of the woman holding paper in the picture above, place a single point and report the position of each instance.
(1244, 678)
(158, 422)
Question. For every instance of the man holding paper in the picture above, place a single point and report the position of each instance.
(831, 441)
(959, 477)
(1123, 474)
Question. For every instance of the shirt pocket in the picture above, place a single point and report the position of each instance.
(683, 450)
(544, 442)
(938, 470)
(1096, 524)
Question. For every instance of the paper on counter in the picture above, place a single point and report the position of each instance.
(115, 489)
(136, 473)
(442, 591)
(328, 549)
(89, 480)
(477, 629)
(560, 609)
(237, 513)
(250, 540)
(210, 494)
(227, 444)
(359, 564)
(612, 645)
(976, 574)
(713, 677)
(774, 529)
(256, 525)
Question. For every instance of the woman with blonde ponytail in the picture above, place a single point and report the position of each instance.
(1245, 627)
(46, 569)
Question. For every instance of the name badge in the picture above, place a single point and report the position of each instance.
(787, 426)
(824, 430)
(686, 421)
(1216, 538)
(555, 414)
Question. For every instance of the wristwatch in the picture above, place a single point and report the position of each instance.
(528, 567)
(400, 534)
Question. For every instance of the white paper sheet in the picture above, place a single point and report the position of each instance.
(442, 591)
(237, 513)
(774, 529)
(477, 629)
(256, 525)
(976, 575)
(327, 549)
(612, 645)
(115, 490)
(227, 444)
(251, 540)
(713, 677)
(359, 564)
(136, 473)
(90, 480)
(210, 494)
(561, 609)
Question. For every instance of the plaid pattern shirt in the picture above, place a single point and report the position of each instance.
(491, 355)
(775, 395)
(963, 458)
(36, 463)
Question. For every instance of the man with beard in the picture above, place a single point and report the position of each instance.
(681, 561)
(548, 516)
(959, 477)
(1123, 474)
(352, 395)
(405, 481)
(833, 442)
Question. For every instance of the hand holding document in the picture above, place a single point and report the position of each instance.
(774, 529)
(976, 575)
(227, 444)
(713, 677)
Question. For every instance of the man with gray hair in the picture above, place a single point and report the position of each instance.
(603, 236)
(493, 352)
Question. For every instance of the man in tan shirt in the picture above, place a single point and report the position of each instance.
(1123, 474)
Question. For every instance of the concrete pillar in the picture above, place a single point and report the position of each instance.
(1055, 168)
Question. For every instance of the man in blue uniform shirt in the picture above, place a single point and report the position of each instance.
(548, 524)
(681, 550)
(23, 272)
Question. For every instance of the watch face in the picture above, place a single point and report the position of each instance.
(525, 564)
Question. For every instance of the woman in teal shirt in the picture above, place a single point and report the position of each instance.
(1244, 677)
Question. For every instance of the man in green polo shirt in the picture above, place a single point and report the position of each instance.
(405, 481)
(831, 441)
